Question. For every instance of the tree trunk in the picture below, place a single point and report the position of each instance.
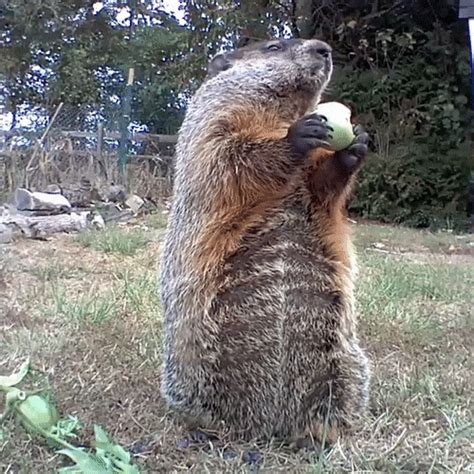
(304, 18)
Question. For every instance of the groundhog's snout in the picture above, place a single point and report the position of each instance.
(320, 51)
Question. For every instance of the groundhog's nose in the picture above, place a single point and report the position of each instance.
(320, 49)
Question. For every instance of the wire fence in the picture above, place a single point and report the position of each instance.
(74, 143)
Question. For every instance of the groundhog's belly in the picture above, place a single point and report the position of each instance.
(279, 279)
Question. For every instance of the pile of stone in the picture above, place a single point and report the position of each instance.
(69, 208)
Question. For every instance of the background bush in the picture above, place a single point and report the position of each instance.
(413, 97)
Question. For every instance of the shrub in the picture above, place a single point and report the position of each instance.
(411, 91)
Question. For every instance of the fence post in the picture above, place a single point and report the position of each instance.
(100, 139)
(124, 122)
(98, 151)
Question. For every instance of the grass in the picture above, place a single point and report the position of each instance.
(416, 299)
(405, 239)
(114, 240)
(86, 308)
(53, 271)
(89, 318)
(156, 221)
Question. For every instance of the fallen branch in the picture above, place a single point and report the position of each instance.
(37, 227)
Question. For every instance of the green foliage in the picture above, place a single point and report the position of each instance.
(419, 124)
(49, 49)
(414, 186)
(79, 54)
(109, 458)
(158, 86)
(40, 417)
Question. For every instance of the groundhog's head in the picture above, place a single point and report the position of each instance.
(280, 64)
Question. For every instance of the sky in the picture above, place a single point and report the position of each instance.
(171, 6)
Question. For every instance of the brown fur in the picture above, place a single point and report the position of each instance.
(259, 325)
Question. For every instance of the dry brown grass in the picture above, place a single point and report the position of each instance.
(90, 321)
(25, 168)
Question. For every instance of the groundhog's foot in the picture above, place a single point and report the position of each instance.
(308, 133)
(307, 444)
(252, 457)
(196, 437)
(350, 159)
(317, 437)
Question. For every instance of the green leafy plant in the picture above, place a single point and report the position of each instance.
(420, 126)
(40, 417)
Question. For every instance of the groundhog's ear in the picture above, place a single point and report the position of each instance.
(219, 63)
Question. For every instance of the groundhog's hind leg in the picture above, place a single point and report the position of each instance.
(333, 407)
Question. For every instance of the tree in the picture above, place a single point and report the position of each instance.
(402, 65)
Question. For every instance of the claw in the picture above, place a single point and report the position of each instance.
(309, 132)
(196, 437)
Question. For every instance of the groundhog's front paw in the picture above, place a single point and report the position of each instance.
(308, 133)
(352, 157)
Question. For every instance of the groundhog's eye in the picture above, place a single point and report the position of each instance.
(274, 47)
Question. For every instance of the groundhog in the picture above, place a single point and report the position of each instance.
(257, 266)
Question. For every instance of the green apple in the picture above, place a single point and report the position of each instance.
(338, 116)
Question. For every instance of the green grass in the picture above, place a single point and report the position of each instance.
(409, 239)
(140, 292)
(413, 298)
(89, 308)
(114, 239)
(157, 220)
(94, 328)
(54, 271)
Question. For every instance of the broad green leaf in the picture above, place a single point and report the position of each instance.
(16, 377)
(36, 413)
(66, 428)
(100, 435)
(86, 463)
(103, 442)
(126, 468)
(102, 456)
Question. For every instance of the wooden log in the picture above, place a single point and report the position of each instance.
(42, 226)
(33, 201)
(79, 194)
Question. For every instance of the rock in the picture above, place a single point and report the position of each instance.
(135, 203)
(52, 189)
(117, 193)
(6, 234)
(80, 194)
(108, 211)
(25, 200)
(111, 212)
(113, 193)
(96, 220)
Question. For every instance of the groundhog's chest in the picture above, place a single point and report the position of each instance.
(285, 251)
